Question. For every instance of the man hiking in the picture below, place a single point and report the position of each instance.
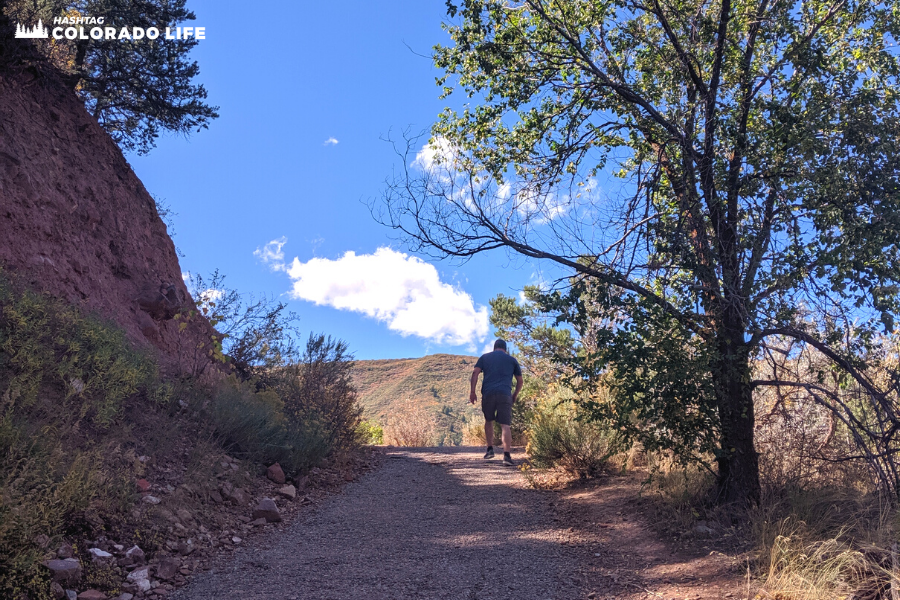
(496, 401)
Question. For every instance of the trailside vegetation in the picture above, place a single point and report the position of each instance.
(79, 406)
(720, 178)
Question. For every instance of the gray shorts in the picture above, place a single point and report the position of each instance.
(497, 406)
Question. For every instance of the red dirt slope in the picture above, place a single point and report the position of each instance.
(76, 222)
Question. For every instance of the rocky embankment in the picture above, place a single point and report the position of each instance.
(192, 521)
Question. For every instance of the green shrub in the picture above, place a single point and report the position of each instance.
(65, 381)
(50, 350)
(370, 432)
(252, 425)
(318, 388)
(557, 438)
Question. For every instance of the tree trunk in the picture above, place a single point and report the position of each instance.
(738, 476)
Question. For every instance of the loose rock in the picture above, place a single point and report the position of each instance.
(92, 595)
(268, 510)
(98, 555)
(66, 571)
(135, 554)
(140, 578)
(167, 568)
(185, 515)
(236, 496)
(186, 547)
(275, 473)
(57, 590)
(288, 491)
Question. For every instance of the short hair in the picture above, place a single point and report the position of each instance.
(500, 345)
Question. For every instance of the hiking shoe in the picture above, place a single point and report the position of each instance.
(489, 454)
(507, 460)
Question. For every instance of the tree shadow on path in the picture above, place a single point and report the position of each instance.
(441, 523)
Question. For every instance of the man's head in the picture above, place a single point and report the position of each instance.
(500, 345)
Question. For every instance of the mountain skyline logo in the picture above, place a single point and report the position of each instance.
(36, 32)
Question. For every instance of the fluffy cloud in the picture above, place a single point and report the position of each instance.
(438, 156)
(399, 290)
(443, 162)
(332, 141)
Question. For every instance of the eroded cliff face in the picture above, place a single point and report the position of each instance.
(77, 223)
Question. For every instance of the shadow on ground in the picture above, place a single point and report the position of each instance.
(441, 523)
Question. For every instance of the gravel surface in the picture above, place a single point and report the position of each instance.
(430, 523)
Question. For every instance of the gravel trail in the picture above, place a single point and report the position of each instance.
(429, 524)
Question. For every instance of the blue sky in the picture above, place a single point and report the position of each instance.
(351, 72)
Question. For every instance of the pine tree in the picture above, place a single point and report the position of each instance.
(136, 89)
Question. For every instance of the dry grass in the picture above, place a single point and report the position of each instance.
(823, 543)
(438, 383)
(826, 570)
(473, 434)
(412, 426)
(803, 543)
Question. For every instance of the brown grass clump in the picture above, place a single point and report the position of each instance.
(411, 425)
(473, 434)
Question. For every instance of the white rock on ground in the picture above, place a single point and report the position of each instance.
(288, 491)
(98, 554)
(140, 578)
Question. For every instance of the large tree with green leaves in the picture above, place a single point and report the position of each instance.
(136, 89)
(756, 146)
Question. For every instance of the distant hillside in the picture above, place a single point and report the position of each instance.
(439, 382)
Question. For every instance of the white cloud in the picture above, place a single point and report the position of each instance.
(445, 162)
(401, 291)
(441, 159)
(438, 151)
(272, 254)
(332, 141)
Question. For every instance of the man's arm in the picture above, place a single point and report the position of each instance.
(474, 380)
(519, 383)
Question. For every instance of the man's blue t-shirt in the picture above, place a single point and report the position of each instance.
(498, 368)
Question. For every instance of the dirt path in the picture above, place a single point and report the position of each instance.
(444, 524)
